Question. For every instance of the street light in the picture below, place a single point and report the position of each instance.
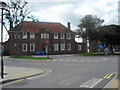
(2, 6)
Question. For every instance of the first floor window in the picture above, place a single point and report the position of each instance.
(55, 35)
(47, 35)
(68, 36)
(62, 36)
(32, 35)
(32, 47)
(79, 47)
(24, 47)
(42, 35)
(56, 47)
(68, 47)
(24, 35)
(63, 47)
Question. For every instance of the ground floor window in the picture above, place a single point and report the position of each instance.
(32, 47)
(24, 47)
(79, 47)
(68, 47)
(56, 47)
(62, 47)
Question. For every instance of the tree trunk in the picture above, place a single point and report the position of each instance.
(111, 49)
(11, 25)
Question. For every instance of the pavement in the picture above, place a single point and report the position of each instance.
(114, 84)
(15, 73)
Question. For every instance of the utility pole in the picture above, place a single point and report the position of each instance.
(2, 5)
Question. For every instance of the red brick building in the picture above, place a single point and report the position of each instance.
(54, 38)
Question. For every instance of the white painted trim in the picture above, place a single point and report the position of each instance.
(33, 47)
(23, 47)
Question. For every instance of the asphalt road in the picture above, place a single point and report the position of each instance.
(68, 71)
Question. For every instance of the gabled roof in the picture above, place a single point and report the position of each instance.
(36, 26)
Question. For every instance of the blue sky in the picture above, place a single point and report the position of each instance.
(64, 11)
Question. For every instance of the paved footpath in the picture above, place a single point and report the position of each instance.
(114, 84)
(15, 73)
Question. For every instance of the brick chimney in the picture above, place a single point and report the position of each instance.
(68, 25)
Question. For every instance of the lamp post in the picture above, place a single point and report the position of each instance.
(47, 42)
(2, 5)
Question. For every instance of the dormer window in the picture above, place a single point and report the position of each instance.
(62, 36)
(55, 35)
(32, 35)
(44, 35)
(68, 36)
(24, 35)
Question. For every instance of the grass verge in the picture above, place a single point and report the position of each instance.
(29, 57)
(97, 54)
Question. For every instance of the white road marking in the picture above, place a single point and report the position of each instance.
(96, 61)
(74, 60)
(67, 60)
(70, 80)
(81, 61)
(91, 83)
(35, 77)
(54, 60)
(56, 78)
(61, 60)
(47, 60)
(104, 58)
(89, 61)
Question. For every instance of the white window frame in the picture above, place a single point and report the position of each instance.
(79, 47)
(31, 47)
(62, 36)
(24, 45)
(47, 35)
(69, 36)
(42, 35)
(15, 36)
(56, 47)
(24, 35)
(62, 46)
(69, 45)
(55, 35)
(32, 35)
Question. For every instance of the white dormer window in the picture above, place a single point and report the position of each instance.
(68, 36)
(62, 36)
(24, 35)
(32, 35)
(55, 35)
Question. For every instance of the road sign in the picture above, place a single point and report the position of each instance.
(100, 45)
(47, 42)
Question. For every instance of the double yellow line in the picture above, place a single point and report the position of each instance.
(12, 82)
(109, 75)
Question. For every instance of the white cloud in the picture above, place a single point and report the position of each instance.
(74, 11)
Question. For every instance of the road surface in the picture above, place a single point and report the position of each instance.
(68, 71)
